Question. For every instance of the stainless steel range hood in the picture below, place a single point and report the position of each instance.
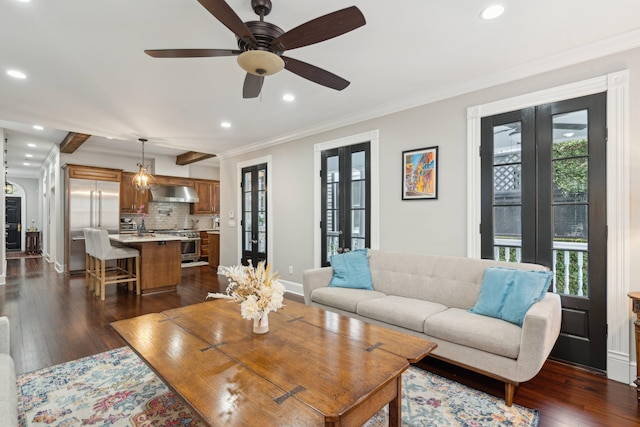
(181, 194)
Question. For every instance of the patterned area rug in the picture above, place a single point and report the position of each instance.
(116, 388)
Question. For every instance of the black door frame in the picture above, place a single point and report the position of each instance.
(344, 197)
(588, 350)
(254, 254)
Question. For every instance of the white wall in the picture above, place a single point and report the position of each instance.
(32, 201)
(434, 226)
(429, 226)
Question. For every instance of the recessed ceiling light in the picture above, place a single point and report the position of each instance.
(38, 127)
(31, 144)
(24, 1)
(28, 155)
(492, 12)
(288, 97)
(17, 74)
(27, 164)
(109, 137)
(568, 134)
(225, 124)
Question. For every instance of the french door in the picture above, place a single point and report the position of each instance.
(346, 200)
(13, 228)
(254, 214)
(543, 181)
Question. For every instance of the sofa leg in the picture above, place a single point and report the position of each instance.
(509, 391)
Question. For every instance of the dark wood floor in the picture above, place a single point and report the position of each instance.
(54, 319)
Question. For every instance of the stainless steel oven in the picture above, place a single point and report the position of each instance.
(190, 244)
(190, 248)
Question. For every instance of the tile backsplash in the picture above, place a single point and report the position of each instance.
(171, 215)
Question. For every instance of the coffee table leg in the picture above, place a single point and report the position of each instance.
(395, 406)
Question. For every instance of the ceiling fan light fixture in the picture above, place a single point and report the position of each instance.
(260, 62)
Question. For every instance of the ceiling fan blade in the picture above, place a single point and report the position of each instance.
(321, 29)
(190, 53)
(252, 86)
(315, 74)
(223, 13)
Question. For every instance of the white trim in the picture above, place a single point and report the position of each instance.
(617, 87)
(239, 167)
(292, 287)
(373, 137)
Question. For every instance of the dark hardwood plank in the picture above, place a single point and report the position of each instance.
(54, 319)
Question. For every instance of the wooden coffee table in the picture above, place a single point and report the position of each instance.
(313, 367)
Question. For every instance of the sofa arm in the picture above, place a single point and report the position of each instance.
(540, 331)
(5, 345)
(313, 279)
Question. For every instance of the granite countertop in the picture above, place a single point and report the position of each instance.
(134, 238)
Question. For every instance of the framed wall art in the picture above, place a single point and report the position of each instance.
(420, 174)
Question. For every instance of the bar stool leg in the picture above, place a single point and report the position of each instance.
(129, 265)
(96, 283)
(103, 279)
(138, 285)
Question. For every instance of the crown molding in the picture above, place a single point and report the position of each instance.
(616, 44)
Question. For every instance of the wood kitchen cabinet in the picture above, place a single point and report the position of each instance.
(174, 180)
(130, 198)
(214, 250)
(209, 195)
(93, 173)
(204, 246)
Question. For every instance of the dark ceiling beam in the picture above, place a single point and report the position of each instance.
(72, 142)
(192, 157)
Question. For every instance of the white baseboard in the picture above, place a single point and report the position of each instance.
(618, 367)
(293, 287)
(59, 267)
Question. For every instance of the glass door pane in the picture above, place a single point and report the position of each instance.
(570, 207)
(254, 214)
(332, 210)
(507, 191)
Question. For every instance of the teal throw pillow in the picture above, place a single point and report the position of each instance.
(495, 284)
(526, 289)
(508, 294)
(351, 270)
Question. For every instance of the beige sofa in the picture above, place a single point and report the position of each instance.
(8, 388)
(430, 296)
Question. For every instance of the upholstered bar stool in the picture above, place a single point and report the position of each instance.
(90, 260)
(105, 252)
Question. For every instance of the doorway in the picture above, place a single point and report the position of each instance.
(254, 188)
(346, 200)
(543, 197)
(13, 226)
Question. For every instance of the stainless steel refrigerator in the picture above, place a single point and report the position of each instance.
(93, 204)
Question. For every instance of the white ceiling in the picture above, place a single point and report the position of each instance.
(87, 71)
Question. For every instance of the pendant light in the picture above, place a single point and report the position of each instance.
(143, 180)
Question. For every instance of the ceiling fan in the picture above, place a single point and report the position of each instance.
(261, 44)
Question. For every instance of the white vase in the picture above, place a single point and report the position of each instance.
(261, 324)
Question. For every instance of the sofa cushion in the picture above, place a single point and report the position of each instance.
(8, 392)
(448, 280)
(351, 270)
(507, 293)
(473, 330)
(343, 298)
(405, 312)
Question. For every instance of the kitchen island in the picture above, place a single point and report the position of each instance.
(160, 260)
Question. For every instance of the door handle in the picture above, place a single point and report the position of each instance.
(255, 242)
